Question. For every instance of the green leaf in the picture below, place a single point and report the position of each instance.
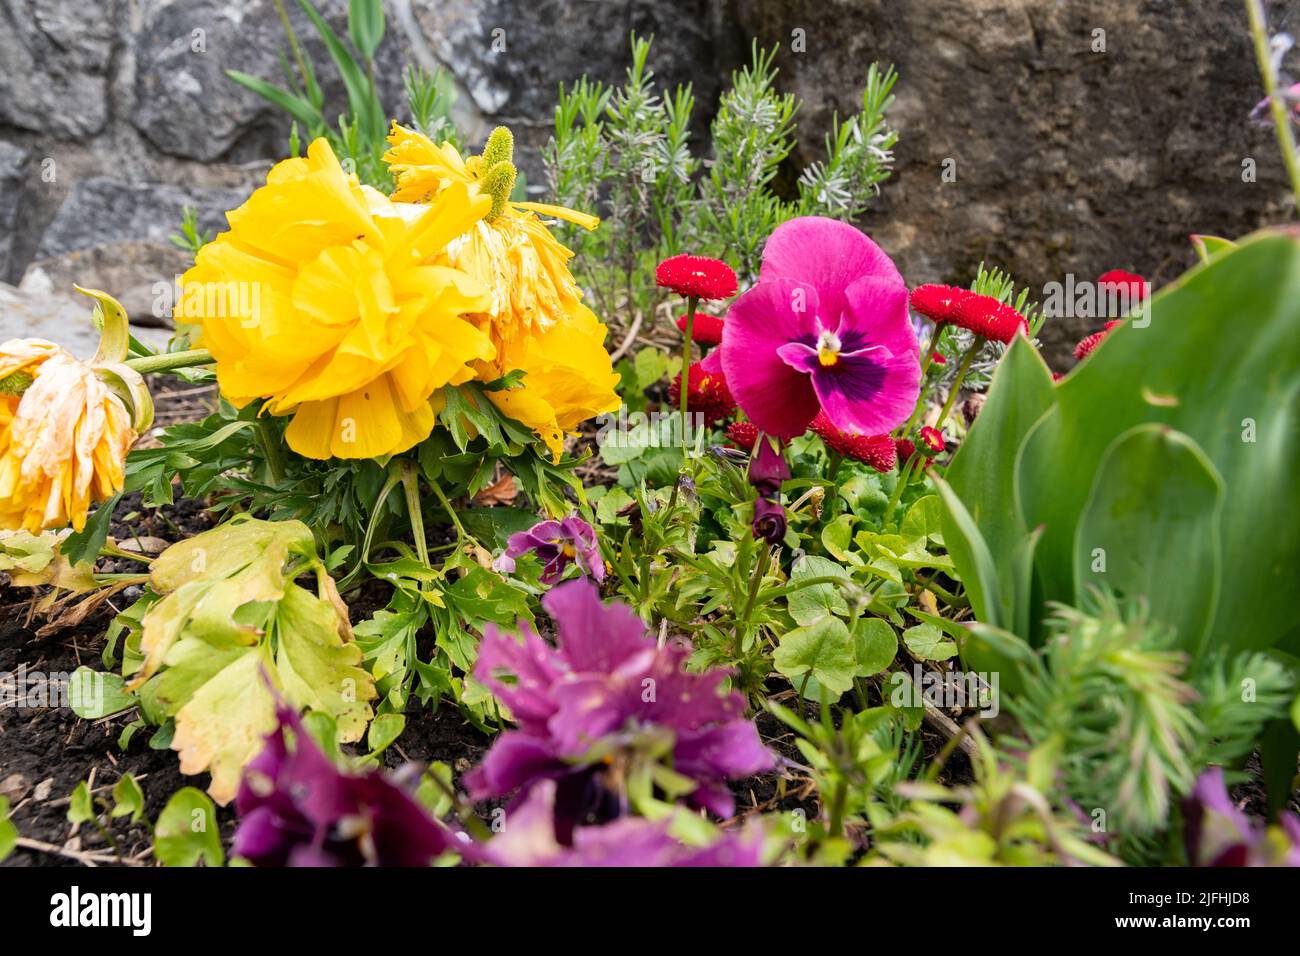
(1213, 363)
(970, 553)
(837, 535)
(1156, 496)
(81, 805)
(26, 552)
(296, 106)
(366, 25)
(187, 831)
(1208, 247)
(874, 644)
(809, 604)
(94, 694)
(8, 832)
(383, 731)
(361, 100)
(83, 547)
(826, 650)
(923, 520)
(128, 799)
(929, 643)
(982, 476)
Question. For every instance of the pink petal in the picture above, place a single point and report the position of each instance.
(777, 398)
(593, 636)
(826, 254)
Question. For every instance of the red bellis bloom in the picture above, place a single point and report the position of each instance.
(878, 451)
(937, 302)
(987, 317)
(707, 329)
(708, 394)
(931, 441)
(744, 434)
(697, 276)
(1086, 346)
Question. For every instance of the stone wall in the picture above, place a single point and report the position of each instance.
(115, 115)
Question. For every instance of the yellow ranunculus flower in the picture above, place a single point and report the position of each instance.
(63, 437)
(536, 318)
(339, 306)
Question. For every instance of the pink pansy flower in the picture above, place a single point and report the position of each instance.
(825, 329)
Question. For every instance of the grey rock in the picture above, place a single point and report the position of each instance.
(186, 105)
(1067, 160)
(59, 318)
(12, 162)
(115, 236)
(56, 56)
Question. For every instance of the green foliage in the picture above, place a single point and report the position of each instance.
(630, 147)
(1209, 388)
(186, 832)
(8, 832)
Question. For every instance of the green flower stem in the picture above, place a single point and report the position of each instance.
(411, 489)
(461, 533)
(755, 582)
(1281, 119)
(925, 371)
(904, 476)
(169, 361)
(692, 303)
(269, 442)
(967, 361)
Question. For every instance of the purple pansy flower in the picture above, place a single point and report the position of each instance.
(529, 839)
(826, 328)
(297, 809)
(769, 521)
(1217, 833)
(558, 544)
(604, 698)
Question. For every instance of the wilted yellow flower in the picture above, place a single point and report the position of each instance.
(535, 318)
(339, 306)
(64, 436)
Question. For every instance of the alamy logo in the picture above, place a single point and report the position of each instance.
(75, 908)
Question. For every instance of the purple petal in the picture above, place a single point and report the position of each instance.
(514, 760)
(534, 665)
(593, 636)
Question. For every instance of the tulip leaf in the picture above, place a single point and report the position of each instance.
(982, 469)
(1156, 495)
(1215, 362)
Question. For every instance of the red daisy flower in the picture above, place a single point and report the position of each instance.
(708, 395)
(937, 302)
(697, 276)
(1085, 347)
(707, 329)
(905, 450)
(744, 434)
(874, 450)
(938, 359)
(986, 316)
(932, 441)
(1132, 283)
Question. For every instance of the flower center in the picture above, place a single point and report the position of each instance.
(828, 349)
(568, 550)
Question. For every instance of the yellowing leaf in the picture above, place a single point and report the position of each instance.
(317, 669)
(221, 728)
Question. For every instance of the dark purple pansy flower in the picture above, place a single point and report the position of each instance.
(529, 839)
(605, 697)
(769, 521)
(768, 468)
(297, 809)
(558, 544)
(1217, 833)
